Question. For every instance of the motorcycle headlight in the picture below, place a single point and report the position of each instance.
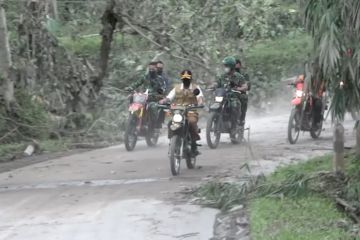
(177, 118)
(299, 93)
(219, 99)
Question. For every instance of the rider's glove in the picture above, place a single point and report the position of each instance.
(163, 101)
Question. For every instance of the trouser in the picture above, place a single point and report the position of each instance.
(317, 110)
(235, 104)
(239, 105)
(244, 105)
(156, 117)
(193, 118)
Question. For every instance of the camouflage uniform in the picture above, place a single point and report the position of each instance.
(238, 101)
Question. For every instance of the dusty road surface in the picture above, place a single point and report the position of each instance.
(114, 194)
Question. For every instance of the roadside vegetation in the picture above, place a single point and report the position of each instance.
(303, 201)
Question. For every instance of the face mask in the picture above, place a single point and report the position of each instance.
(160, 71)
(227, 70)
(186, 83)
(152, 73)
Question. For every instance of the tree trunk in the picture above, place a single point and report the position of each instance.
(6, 83)
(52, 9)
(358, 139)
(339, 142)
(109, 22)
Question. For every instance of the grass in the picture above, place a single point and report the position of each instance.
(86, 46)
(279, 55)
(323, 163)
(50, 146)
(82, 46)
(7, 151)
(308, 218)
(296, 202)
(303, 216)
(15, 150)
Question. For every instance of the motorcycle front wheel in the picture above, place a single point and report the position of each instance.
(130, 133)
(213, 133)
(294, 126)
(175, 154)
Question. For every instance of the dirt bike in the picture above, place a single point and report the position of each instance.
(302, 115)
(180, 146)
(220, 119)
(139, 122)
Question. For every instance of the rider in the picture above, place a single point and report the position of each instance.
(156, 87)
(160, 71)
(183, 94)
(317, 89)
(244, 103)
(237, 82)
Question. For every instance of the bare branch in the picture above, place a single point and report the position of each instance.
(165, 48)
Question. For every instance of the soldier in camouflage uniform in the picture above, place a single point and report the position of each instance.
(160, 71)
(237, 82)
(244, 98)
(156, 87)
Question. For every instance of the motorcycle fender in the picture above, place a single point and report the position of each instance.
(296, 101)
(177, 131)
(175, 126)
(133, 109)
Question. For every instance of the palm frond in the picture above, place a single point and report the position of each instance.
(335, 28)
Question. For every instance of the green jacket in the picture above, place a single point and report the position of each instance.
(153, 84)
(237, 78)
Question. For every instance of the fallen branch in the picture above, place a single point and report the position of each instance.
(8, 134)
(348, 208)
(23, 124)
(89, 145)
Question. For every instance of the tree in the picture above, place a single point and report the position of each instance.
(6, 83)
(334, 26)
(53, 9)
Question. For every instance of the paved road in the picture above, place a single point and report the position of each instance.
(113, 194)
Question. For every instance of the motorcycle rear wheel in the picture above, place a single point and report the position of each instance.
(213, 133)
(238, 137)
(175, 154)
(293, 126)
(151, 138)
(130, 133)
(189, 156)
(190, 162)
(315, 134)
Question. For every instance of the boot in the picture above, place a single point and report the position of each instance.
(194, 149)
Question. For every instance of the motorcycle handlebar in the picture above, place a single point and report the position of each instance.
(235, 91)
(163, 106)
(186, 108)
